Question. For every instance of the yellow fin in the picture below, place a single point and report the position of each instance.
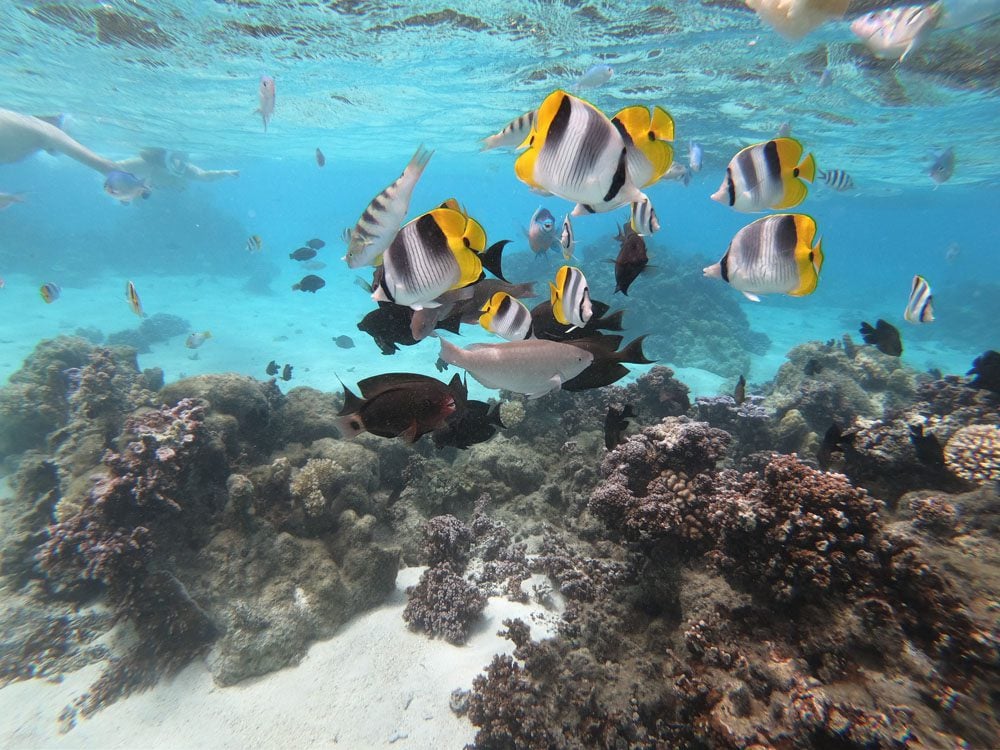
(470, 268)
(660, 155)
(524, 167)
(475, 235)
(663, 124)
(789, 153)
(808, 258)
(807, 169)
(556, 298)
(795, 193)
(636, 121)
(452, 223)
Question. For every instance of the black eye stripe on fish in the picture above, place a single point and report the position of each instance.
(730, 186)
(560, 123)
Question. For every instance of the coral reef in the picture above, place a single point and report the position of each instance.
(833, 381)
(152, 330)
(973, 453)
(444, 604)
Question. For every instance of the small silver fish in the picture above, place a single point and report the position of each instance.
(695, 156)
(943, 166)
(195, 340)
(265, 93)
(596, 75)
(920, 306)
(837, 179)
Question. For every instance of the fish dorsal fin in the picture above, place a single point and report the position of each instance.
(379, 384)
(351, 402)
(648, 132)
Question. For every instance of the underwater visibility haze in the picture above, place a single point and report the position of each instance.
(500, 375)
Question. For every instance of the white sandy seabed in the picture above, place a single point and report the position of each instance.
(375, 684)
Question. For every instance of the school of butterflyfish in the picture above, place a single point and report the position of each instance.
(439, 270)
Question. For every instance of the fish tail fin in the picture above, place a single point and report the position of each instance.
(612, 322)
(663, 124)
(808, 169)
(420, 158)
(207, 334)
(633, 353)
(808, 258)
(492, 258)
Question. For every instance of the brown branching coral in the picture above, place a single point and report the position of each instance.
(973, 453)
(444, 604)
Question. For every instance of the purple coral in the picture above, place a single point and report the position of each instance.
(444, 604)
(446, 539)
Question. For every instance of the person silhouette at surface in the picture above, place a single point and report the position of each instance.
(162, 168)
(23, 135)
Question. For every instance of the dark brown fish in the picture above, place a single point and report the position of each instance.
(309, 283)
(479, 422)
(316, 244)
(836, 440)
(286, 373)
(545, 326)
(927, 447)
(344, 342)
(632, 258)
(400, 404)
(390, 325)
(320, 159)
(884, 337)
(607, 367)
(303, 253)
(740, 392)
(272, 368)
(615, 424)
(986, 368)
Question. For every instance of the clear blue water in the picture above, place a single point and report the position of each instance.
(367, 84)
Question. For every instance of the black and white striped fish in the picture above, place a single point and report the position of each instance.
(382, 218)
(567, 240)
(767, 175)
(574, 151)
(644, 221)
(920, 307)
(513, 133)
(773, 255)
(507, 317)
(570, 298)
(837, 179)
(435, 252)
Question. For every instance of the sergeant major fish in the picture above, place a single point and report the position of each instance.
(837, 179)
(383, 217)
(50, 292)
(772, 255)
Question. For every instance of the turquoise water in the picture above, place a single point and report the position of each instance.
(367, 82)
(366, 85)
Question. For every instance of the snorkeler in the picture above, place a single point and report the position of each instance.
(23, 135)
(161, 168)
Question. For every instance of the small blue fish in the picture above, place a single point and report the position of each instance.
(125, 186)
(943, 166)
(695, 156)
(542, 231)
(596, 76)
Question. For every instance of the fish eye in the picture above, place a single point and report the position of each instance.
(795, 172)
(355, 424)
(465, 241)
(811, 256)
